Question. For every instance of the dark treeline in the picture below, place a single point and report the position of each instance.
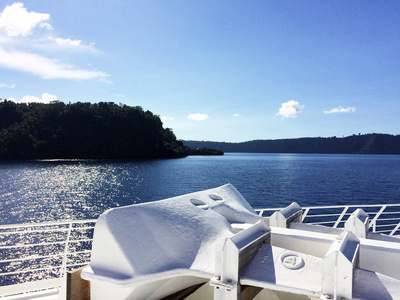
(83, 130)
(355, 144)
(204, 151)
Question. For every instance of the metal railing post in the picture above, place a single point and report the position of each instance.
(305, 214)
(341, 216)
(64, 263)
(395, 229)
(373, 222)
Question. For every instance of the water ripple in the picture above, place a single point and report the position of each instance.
(60, 190)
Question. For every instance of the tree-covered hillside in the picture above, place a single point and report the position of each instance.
(356, 144)
(83, 130)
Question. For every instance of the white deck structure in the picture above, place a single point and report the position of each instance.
(210, 245)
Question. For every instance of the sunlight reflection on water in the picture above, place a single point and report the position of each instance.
(47, 191)
(39, 191)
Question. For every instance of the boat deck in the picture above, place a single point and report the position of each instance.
(35, 257)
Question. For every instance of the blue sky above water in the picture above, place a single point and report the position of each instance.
(213, 70)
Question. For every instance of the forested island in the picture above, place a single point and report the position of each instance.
(356, 144)
(102, 130)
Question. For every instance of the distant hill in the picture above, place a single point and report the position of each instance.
(356, 144)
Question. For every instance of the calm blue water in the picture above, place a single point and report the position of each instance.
(55, 190)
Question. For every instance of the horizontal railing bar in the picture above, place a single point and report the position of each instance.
(30, 270)
(31, 258)
(268, 209)
(323, 215)
(388, 219)
(82, 240)
(79, 252)
(313, 210)
(43, 256)
(44, 244)
(25, 225)
(347, 214)
(390, 212)
(61, 230)
(386, 225)
(331, 206)
(34, 231)
(381, 231)
(31, 245)
(21, 290)
(353, 206)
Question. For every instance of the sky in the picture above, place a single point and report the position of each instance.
(222, 70)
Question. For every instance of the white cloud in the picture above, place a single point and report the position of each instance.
(117, 95)
(236, 115)
(46, 98)
(166, 118)
(46, 26)
(44, 67)
(7, 86)
(19, 53)
(65, 42)
(29, 99)
(198, 117)
(290, 109)
(17, 21)
(340, 109)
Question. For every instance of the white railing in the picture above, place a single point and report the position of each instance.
(38, 255)
(384, 218)
(42, 252)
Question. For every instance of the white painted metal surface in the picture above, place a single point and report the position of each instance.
(358, 223)
(338, 267)
(283, 217)
(152, 250)
(232, 255)
(39, 254)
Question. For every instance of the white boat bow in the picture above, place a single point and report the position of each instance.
(207, 245)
